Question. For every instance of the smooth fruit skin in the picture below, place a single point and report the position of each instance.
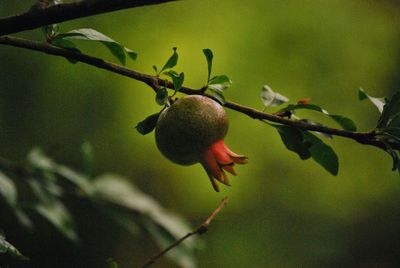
(191, 131)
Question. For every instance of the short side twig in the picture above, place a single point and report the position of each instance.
(200, 230)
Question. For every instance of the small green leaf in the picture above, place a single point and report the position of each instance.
(344, 122)
(118, 50)
(220, 79)
(390, 110)
(8, 190)
(162, 96)
(172, 61)
(219, 96)
(147, 125)
(209, 56)
(218, 84)
(271, 98)
(133, 55)
(322, 153)
(293, 140)
(378, 102)
(177, 79)
(7, 248)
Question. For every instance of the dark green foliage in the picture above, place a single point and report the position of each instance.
(209, 57)
(148, 124)
(111, 194)
(307, 145)
(388, 128)
(172, 61)
(177, 80)
(162, 96)
(294, 141)
(218, 84)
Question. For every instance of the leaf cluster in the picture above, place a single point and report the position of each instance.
(51, 183)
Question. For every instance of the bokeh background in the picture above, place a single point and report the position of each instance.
(283, 212)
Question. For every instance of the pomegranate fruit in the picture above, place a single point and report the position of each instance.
(191, 131)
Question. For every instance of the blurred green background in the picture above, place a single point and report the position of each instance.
(283, 212)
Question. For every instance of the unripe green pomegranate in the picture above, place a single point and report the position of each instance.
(191, 131)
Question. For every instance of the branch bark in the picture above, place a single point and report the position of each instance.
(37, 17)
(368, 138)
(199, 231)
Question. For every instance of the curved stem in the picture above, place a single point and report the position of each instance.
(368, 138)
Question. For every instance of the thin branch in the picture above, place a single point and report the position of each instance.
(37, 17)
(368, 138)
(198, 231)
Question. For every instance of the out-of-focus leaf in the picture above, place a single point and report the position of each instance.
(162, 96)
(118, 50)
(209, 57)
(177, 79)
(271, 98)
(8, 249)
(172, 61)
(52, 209)
(128, 221)
(113, 189)
(112, 263)
(8, 190)
(322, 153)
(148, 124)
(23, 218)
(344, 122)
(293, 140)
(88, 158)
(39, 160)
(378, 102)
